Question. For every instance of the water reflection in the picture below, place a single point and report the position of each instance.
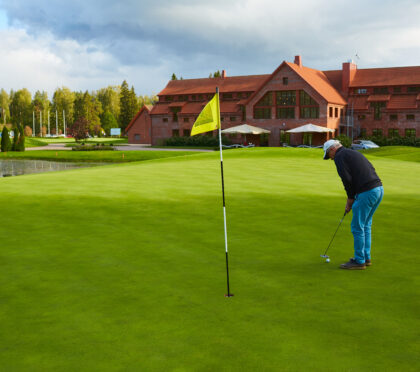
(15, 167)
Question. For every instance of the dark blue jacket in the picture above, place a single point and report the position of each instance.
(356, 172)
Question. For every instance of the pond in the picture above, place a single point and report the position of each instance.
(16, 167)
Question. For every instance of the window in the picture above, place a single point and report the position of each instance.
(309, 112)
(183, 98)
(186, 120)
(137, 137)
(175, 132)
(186, 133)
(285, 81)
(165, 120)
(360, 91)
(341, 112)
(284, 137)
(413, 89)
(397, 89)
(262, 113)
(336, 112)
(243, 109)
(393, 132)
(382, 90)
(232, 118)
(410, 116)
(200, 97)
(285, 113)
(377, 132)
(377, 109)
(175, 111)
(393, 117)
(169, 98)
(193, 97)
(410, 132)
(331, 112)
(227, 96)
(267, 100)
(286, 98)
(362, 132)
(361, 117)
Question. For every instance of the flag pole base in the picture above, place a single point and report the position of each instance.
(229, 295)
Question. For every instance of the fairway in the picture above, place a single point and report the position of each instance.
(121, 267)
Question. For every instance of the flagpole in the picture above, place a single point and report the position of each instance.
(223, 193)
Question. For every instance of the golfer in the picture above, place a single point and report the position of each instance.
(364, 194)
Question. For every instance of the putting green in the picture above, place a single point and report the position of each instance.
(121, 267)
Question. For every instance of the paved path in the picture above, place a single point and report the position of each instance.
(126, 147)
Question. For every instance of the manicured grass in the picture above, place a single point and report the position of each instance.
(37, 141)
(94, 156)
(121, 267)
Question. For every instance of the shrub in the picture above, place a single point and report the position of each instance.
(395, 141)
(344, 140)
(28, 131)
(5, 140)
(83, 147)
(205, 141)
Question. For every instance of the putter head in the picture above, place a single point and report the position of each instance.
(325, 256)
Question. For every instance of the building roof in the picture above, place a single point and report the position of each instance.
(193, 108)
(208, 85)
(402, 102)
(335, 78)
(379, 97)
(370, 77)
(160, 108)
(358, 102)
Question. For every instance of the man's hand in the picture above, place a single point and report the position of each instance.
(349, 205)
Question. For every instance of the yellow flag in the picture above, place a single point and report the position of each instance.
(209, 118)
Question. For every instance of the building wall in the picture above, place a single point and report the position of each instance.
(295, 82)
(140, 131)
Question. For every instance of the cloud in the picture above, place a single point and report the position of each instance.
(145, 41)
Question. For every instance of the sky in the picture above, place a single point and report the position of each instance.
(88, 45)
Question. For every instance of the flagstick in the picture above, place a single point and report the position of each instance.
(223, 193)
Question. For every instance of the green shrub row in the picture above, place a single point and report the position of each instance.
(208, 141)
(395, 141)
(84, 147)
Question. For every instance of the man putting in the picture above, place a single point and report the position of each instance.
(364, 194)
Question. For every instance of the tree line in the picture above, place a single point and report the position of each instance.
(101, 110)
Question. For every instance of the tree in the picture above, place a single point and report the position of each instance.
(174, 77)
(79, 129)
(21, 143)
(110, 100)
(5, 140)
(63, 99)
(41, 106)
(4, 104)
(215, 75)
(128, 105)
(21, 107)
(108, 121)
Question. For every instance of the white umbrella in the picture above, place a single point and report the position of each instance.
(310, 128)
(245, 129)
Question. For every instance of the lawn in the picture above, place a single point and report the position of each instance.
(121, 267)
(94, 156)
(44, 141)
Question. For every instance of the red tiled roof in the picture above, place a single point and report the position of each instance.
(208, 85)
(418, 97)
(335, 78)
(402, 102)
(193, 108)
(229, 107)
(318, 80)
(370, 77)
(159, 109)
(379, 97)
(358, 102)
(177, 104)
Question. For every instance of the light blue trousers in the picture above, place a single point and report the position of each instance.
(363, 208)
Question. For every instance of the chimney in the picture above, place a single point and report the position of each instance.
(347, 76)
(298, 61)
(223, 74)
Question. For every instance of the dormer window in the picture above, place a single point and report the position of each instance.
(285, 81)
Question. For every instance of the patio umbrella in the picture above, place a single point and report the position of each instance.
(310, 128)
(245, 129)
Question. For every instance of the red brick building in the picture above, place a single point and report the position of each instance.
(352, 101)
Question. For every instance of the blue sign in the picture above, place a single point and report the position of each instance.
(115, 131)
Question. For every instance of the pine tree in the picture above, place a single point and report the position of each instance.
(174, 77)
(5, 140)
(128, 105)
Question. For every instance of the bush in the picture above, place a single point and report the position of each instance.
(344, 140)
(205, 141)
(5, 140)
(83, 147)
(395, 141)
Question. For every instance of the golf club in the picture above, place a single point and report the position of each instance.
(327, 258)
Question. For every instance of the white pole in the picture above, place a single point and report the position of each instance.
(40, 123)
(64, 122)
(56, 123)
(33, 123)
(49, 123)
